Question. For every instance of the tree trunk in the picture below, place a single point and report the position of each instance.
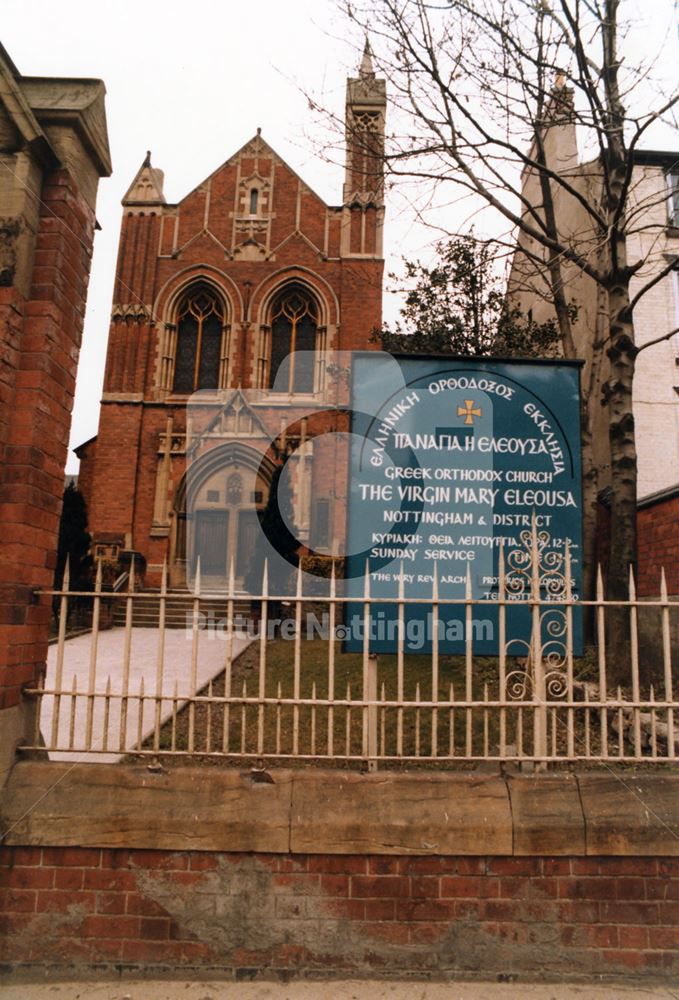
(623, 555)
(590, 486)
(590, 471)
(622, 354)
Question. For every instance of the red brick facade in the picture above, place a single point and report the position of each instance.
(46, 234)
(267, 914)
(658, 544)
(246, 234)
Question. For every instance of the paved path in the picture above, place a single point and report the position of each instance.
(333, 990)
(107, 724)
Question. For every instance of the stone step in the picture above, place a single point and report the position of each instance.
(179, 611)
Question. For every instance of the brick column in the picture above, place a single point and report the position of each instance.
(48, 189)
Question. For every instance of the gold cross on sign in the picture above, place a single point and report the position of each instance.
(468, 411)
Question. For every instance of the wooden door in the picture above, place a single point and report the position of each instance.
(211, 542)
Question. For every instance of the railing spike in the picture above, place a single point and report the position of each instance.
(66, 579)
(599, 584)
(232, 580)
(663, 584)
(468, 583)
(366, 580)
(130, 579)
(435, 583)
(163, 578)
(265, 579)
(333, 579)
(98, 577)
(298, 590)
(632, 584)
(196, 582)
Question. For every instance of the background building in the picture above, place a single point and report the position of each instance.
(653, 236)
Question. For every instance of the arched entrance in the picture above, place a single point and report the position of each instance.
(216, 518)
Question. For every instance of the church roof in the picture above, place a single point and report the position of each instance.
(255, 146)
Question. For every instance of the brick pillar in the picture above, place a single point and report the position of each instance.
(46, 254)
(39, 424)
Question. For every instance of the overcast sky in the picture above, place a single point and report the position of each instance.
(192, 80)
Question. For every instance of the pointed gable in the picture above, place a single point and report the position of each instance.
(250, 204)
(236, 419)
(147, 186)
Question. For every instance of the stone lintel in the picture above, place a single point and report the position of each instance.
(628, 813)
(335, 812)
(546, 814)
(386, 813)
(102, 805)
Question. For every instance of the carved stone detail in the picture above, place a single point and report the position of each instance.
(136, 312)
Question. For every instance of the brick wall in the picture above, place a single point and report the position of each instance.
(657, 543)
(74, 907)
(658, 546)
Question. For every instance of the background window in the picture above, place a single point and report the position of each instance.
(673, 181)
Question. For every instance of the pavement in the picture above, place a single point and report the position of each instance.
(330, 990)
(109, 730)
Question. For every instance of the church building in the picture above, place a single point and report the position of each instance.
(229, 308)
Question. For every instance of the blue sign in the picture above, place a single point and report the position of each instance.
(453, 460)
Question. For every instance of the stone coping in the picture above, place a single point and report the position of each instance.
(338, 812)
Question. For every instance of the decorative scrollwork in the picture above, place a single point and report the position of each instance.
(535, 566)
(556, 685)
(518, 684)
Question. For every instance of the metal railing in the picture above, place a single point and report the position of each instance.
(219, 686)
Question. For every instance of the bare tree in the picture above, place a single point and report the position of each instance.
(477, 88)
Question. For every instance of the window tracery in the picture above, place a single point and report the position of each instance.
(293, 341)
(200, 359)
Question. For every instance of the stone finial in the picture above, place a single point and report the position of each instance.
(366, 67)
(366, 89)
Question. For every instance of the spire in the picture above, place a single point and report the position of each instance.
(366, 67)
(363, 190)
(147, 186)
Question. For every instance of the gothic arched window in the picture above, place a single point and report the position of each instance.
(200, 331)
(294, 325)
